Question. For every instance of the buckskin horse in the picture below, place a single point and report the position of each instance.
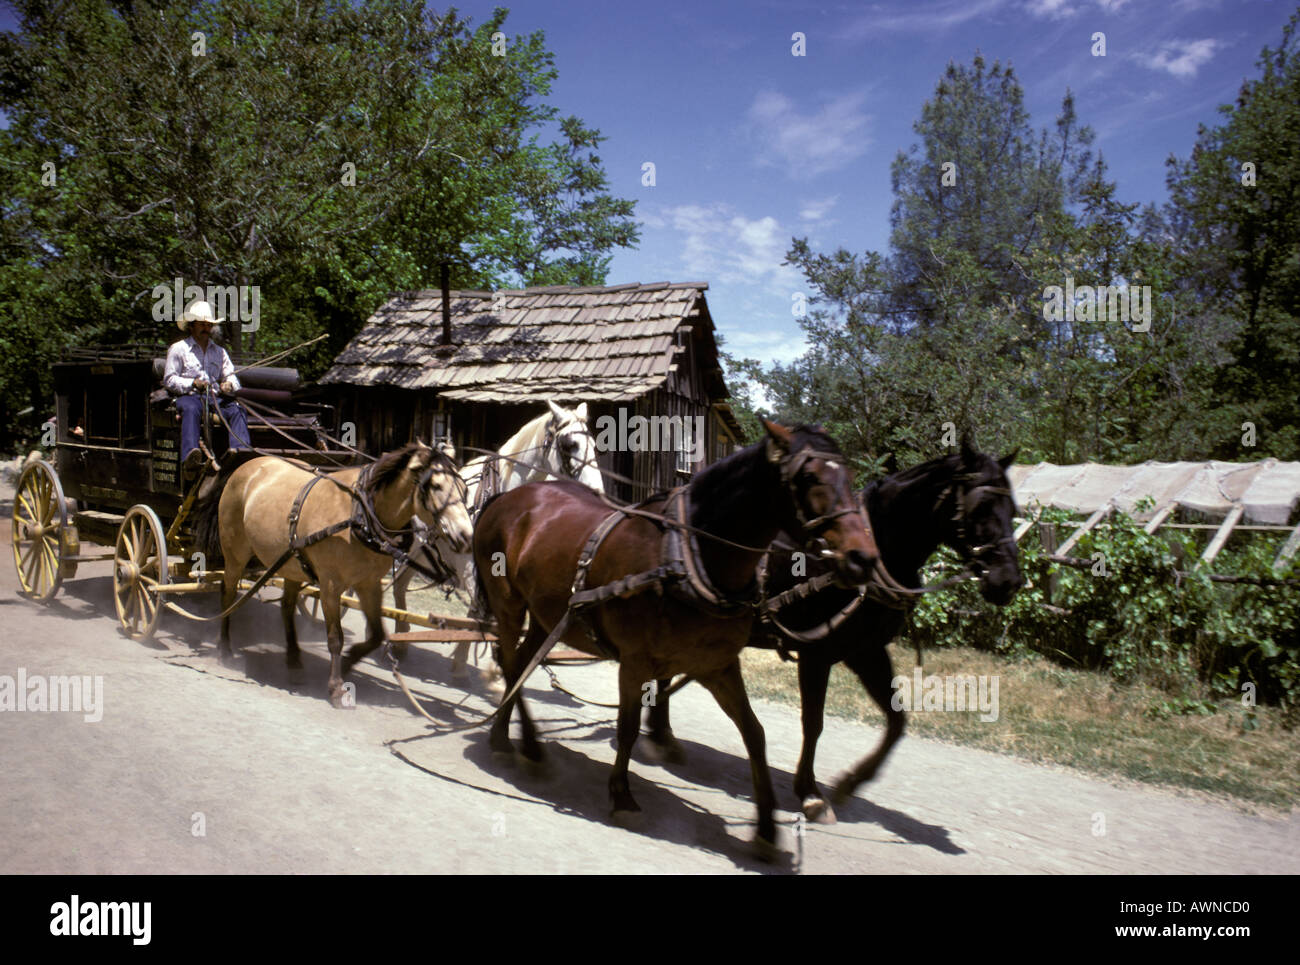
(675, 578)
(962, 500)
(335, 530)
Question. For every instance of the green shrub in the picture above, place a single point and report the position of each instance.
(1132, 613)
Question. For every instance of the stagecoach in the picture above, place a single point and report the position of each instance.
(116, 478)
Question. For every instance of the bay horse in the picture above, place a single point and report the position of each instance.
(530, 543)
(556, 445)
(962, 500)
(253, 516)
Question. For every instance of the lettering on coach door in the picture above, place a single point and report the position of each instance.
(166, 458)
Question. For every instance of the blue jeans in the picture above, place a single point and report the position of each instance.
(191, 407)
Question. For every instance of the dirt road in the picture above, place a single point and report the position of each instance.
(196, 768)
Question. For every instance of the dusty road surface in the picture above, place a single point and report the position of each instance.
(198, 768)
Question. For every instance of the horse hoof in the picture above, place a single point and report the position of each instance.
(842, 794)
(533, 754)
(503, 758)
(228, 660)
(630, 819)
(297, 677)
(766, 851)
(818, 810)
(665, 752)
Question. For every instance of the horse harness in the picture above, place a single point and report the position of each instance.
(363, 522)
(681, 573)
(883, 588)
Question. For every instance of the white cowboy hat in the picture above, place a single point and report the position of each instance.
(197, 312)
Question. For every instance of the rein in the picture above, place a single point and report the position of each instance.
(884, 588)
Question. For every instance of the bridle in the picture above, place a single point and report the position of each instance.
(966, 498)
(568, 465)
(790, 466)
(884, 588)
(441, 461)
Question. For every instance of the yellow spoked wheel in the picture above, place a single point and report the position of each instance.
(139, 569)
(40, 519)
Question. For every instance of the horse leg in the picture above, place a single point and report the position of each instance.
(460, 659)
(629, 727)
(814, 675)
(662, 742)
(229, 590)
(292, 655)
(876, 672)
(371, 596)
(332, 610)
(464, 571)
(400, 584)
(728, 689)
(536, 636)
(508, 628)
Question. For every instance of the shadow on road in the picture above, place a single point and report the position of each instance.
(728, 773)
(571, 783)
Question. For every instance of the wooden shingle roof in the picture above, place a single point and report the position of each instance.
(559, 342)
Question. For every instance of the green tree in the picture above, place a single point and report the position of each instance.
(949, 328)
(1236, 227)
(328, 154)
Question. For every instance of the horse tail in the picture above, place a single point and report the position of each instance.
(206, 516)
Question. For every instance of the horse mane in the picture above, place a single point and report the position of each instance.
(526, 438)
(952, 462)
(385, 470)
(204, 515)
(724, 472)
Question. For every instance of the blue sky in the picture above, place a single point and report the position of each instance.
(753, 145)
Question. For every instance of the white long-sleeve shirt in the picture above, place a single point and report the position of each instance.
(186, 362)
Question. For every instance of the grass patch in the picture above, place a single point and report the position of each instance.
(1083, 720)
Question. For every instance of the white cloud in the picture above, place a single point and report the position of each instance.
(1053, 9)
(813, 213)
(769, 345)
(930, 18)
(1182, 58)
(810, 142)
(722, 245)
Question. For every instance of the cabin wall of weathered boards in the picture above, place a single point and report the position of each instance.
(387, 418)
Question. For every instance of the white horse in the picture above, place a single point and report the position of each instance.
(555, 445)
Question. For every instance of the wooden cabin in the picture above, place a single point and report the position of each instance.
(631, 352)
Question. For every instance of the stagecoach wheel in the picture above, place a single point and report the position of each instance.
(139, 569)
(40, 520)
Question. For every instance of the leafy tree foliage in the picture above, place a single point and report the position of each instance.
(951, 329)
(327, 153)
(1237, 237)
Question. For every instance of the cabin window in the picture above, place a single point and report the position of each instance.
(440, 430)
(686, 446)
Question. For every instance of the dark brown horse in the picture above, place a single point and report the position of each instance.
(527, 547)
(962, 500)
